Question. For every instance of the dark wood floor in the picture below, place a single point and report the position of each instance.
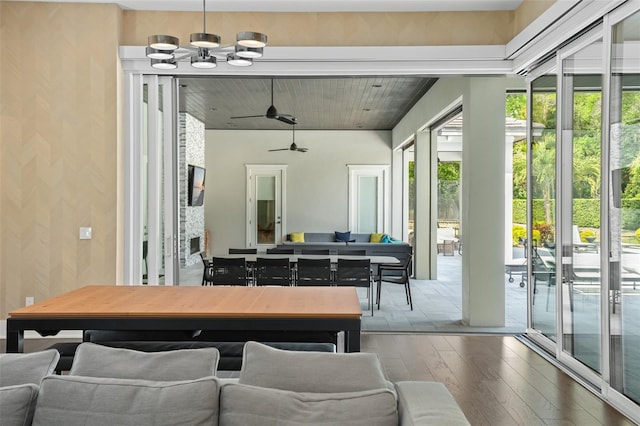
(497, 380)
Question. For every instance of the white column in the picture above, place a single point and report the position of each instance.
(483, 200)
(425, 252)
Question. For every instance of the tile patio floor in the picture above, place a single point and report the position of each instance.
(437, 304)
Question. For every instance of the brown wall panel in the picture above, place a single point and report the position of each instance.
(329, 29)
(528, 11)
(58, 134)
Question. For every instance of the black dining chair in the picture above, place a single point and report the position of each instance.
(228, 271)
(313, 272)
(349, 252)
(323, 252)
(280, 250)
(207, 276)
(356, 273)
(243, 251)
(273, 271)
(396, 274)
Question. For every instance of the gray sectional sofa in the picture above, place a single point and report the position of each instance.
(327, 240)
(275, 387)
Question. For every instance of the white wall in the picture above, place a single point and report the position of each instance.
(317, 181)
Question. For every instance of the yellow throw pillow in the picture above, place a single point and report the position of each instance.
(375, 238)
(297, 237)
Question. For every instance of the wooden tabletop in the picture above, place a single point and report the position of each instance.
(206, 302)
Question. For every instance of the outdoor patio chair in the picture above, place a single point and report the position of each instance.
(313, 272)
(227, 271)
(396, 274)
(356, 273)
(273, 271)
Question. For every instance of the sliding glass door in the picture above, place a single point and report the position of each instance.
(150, 226)
(584, 207)
(623, 293)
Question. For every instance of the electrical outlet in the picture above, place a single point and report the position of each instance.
(29, 300)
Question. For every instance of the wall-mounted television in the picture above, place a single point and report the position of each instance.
(196, 185)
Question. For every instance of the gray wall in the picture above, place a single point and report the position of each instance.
(317, 181)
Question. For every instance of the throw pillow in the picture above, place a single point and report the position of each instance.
(76, 400)
(302, 371)
(19, 369)
(375, 238)
(17, 404)
(102, 361)
(244, 405)
(343, 237)
(297, 237)
(385, 239)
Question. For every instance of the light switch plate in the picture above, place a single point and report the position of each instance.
(85, 233)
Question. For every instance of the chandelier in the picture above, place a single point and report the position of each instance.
(205, 49)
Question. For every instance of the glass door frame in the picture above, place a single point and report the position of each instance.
(158, 173)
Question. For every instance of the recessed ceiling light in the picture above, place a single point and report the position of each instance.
(366, 109)
(376, 85)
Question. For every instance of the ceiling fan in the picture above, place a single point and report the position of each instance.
(272, 112)
(293, 146)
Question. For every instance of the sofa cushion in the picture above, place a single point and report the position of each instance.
(102, 361)
(19, 369)
(297, 237)
(17, 404)
(77, 400)
(375, 238)
(344, 237)
(385, 239)
(251, 405)
(428, 403)
(310, 371)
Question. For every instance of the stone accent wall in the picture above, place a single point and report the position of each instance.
(191, 151)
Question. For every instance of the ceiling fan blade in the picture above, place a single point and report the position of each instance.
(249, 116)
(280, 149)
(287, 120)
(302, 149)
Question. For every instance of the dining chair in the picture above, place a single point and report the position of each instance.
(273, 271)
(207, 273)
(324, 252)
(313, 272)
(396, 274)
(356, 273)
(280, 250)
(229, 271)
(243, 251)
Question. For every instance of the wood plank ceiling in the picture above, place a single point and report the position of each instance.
(328, 103)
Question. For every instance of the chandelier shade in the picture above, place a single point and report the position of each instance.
(164, 64)
(204, 49)
(238, 61)
(209, 41)
(251, 39)
(163, 42)
(249, 52)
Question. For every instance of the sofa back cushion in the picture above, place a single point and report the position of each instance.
(17, 404)
(76, 400)
(300, 371)
(95, 360)
(343, 237)
(244, 405)
(19, 369)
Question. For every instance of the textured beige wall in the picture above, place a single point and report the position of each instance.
(58, 148)
(528, 11)
(330, 29)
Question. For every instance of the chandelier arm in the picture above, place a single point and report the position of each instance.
(204, 16)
